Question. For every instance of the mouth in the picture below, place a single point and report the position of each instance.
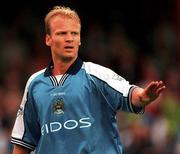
(68, 47)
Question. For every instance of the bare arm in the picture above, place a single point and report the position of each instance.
(20, 150)
(142, 97)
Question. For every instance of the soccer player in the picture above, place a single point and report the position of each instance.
(70, 106)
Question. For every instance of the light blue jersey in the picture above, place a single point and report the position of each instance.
(76, 115)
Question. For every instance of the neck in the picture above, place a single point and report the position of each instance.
(61, 67)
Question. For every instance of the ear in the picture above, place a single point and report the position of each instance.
(48, 40)
(79, 42)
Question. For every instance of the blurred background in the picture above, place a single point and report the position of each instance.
(137, 39)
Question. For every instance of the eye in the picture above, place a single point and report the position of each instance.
(61, 33)
(74, 33)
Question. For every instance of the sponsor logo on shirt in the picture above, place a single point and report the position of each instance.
(71, 124)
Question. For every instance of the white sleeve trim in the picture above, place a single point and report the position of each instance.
(21, 143)
(19, 128)
(110, 77)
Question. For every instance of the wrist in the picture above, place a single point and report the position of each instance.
(138, 97)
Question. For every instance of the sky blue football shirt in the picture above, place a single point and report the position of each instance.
(76, 115)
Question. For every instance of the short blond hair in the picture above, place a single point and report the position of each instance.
(64, 12)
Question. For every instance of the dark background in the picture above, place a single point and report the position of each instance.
(137, 39)
(137, 17)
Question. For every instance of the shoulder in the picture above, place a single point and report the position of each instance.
(91, 67)
(99, 71)
(34, 76)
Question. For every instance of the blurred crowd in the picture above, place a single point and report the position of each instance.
(157, 131)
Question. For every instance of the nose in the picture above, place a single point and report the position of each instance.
(69, 37)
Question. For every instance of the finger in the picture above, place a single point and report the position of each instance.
(160, 89)
(156, 85)
(159, 84)
(152, 85)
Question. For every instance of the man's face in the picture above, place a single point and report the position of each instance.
(64, 38)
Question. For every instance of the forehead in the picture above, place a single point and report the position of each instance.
(63, 22)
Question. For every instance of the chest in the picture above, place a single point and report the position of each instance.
(72, 100)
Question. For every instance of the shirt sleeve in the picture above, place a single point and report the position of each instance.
(26, 131)
(115, 89)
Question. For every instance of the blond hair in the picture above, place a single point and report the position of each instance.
(62, 11)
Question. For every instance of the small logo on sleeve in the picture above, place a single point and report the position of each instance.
(20, 111)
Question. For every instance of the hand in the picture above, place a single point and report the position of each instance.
(151, 92)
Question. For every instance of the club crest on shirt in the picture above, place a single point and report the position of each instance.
(58, 106)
